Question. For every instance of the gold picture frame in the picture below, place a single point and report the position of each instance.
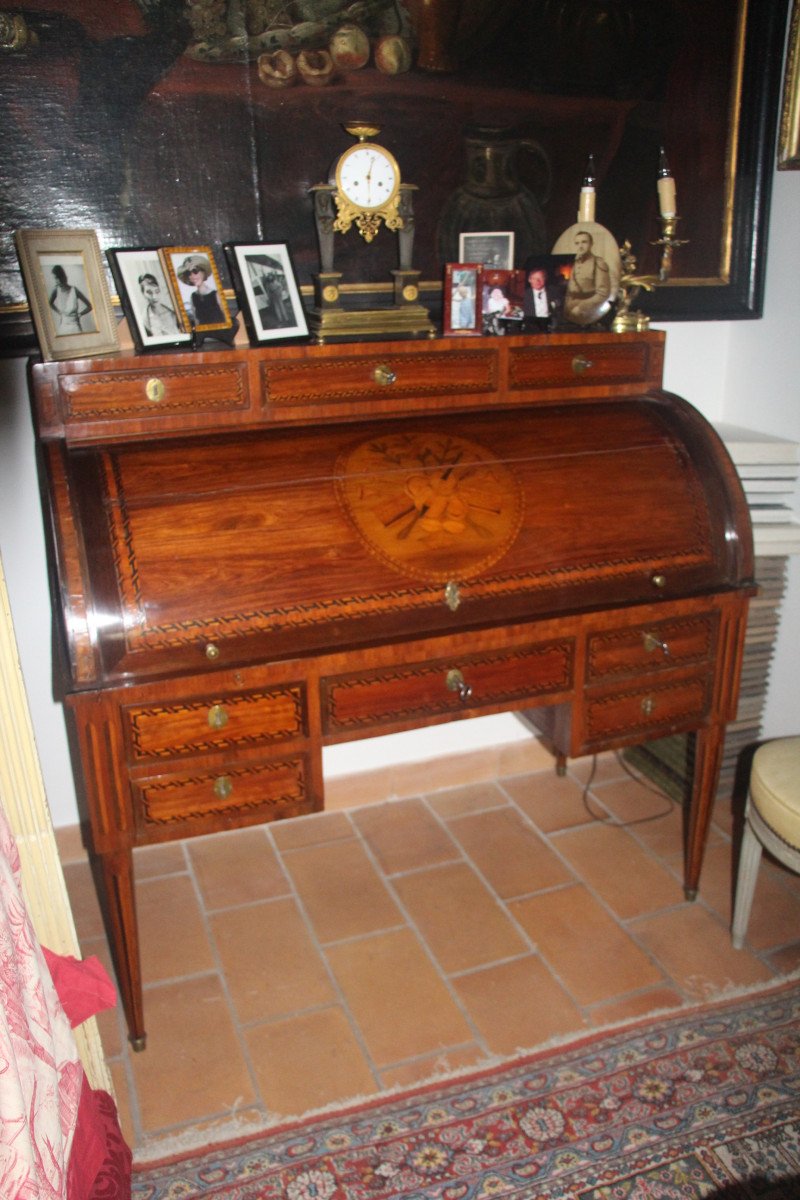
(789, 135)
(67, 292)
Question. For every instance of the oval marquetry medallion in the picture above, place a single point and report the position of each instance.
(432, 505)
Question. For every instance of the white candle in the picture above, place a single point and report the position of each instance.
(587, 199)
(666, 188)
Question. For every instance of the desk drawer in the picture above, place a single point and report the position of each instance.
(223, 797)
(651, 646)
(404, 694)
(159, 393)
(230, 721)
(651, 708)
(579, 366)
(331, 383)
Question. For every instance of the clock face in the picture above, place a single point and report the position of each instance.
(368, 176)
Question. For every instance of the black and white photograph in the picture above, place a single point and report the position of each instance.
(266, 287)
(195, 279)
(494, 249)
(152, 312)
(596, 270)
(67, 292)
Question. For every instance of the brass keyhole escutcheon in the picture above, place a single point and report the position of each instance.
(452, 595)
(223, 786)
(651, 643)
(456, 683)
(581, 364)
(648, 706)
(384, 375)
(217, 717)
(154, 390)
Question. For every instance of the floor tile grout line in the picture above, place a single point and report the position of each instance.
(320, 950)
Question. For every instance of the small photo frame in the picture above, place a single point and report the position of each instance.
(495, 250)
(546, 279)
(194, 278)
(67, 291)
(594, 280)
(267, 291)
(152, 310)
(503, 298)
(463, 292)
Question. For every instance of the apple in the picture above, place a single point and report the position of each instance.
(392, 54)
(349, 48)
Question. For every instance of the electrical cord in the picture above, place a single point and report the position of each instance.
(608, 819)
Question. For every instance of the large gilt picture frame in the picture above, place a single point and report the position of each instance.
(88, 145)
(789, 140)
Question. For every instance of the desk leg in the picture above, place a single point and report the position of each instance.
(117, 873)
(707, 760)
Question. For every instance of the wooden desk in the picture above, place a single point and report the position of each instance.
(258, 553)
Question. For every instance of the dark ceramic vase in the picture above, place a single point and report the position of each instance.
(492, 196)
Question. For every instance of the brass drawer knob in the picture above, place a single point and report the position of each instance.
(223, 786)
(212, 651)
(456, 683)
(154, 390)
(384, 375)
(581, 364)
(452, 595)
(658, 580)
(648, 705)
(651, 643)
(217, 717)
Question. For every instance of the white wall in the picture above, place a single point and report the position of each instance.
(744, 372)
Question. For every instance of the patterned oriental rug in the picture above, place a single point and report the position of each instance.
(703, 1103)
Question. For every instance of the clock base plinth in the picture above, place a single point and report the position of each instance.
(345, 324)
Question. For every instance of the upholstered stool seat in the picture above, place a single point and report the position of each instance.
(772, 820)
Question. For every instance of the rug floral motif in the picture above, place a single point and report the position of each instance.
(698, 1104)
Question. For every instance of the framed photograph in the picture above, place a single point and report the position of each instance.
(151, 309)
(463, 292)
(67, 292)
(546, 279)
(194, 278)
(502, 301)
(267, 291)
(494, 250)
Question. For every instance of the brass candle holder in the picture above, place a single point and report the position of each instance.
(627, 319)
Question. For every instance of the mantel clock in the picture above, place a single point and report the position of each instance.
(365, 190)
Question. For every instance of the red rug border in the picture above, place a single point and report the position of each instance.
(469, 1077)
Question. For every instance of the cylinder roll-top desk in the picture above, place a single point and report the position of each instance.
(257, 553)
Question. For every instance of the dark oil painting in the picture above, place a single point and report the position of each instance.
(164, 122)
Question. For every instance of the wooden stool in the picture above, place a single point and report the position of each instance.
(772, 820)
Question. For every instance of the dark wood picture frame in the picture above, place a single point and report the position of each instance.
(461, 315)
(257, 269)
(147, 299)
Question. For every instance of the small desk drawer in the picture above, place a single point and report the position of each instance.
(158, 393)
(651, 646)
(227, 722)
(466, 682)
(219, 797)
(650, 709)
(383, 377)
(575, 367)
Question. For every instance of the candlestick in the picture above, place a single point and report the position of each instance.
(587, 200)
(666, 188)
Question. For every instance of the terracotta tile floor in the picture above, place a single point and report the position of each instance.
(294, 965)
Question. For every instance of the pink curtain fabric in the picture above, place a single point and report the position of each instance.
(59, 1139)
